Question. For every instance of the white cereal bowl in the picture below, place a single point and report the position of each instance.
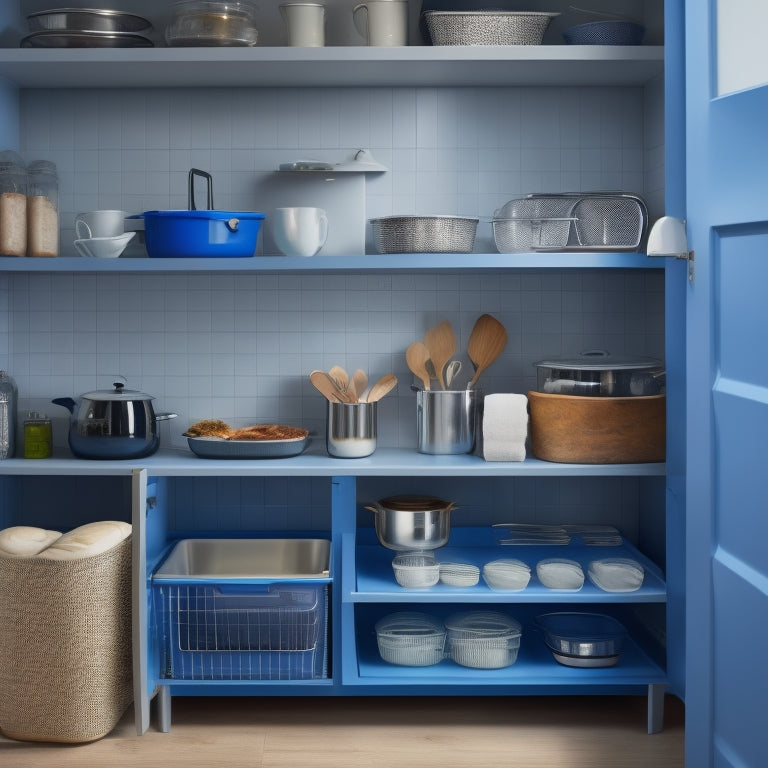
(103, 247)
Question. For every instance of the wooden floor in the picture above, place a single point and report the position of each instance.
(414, 732)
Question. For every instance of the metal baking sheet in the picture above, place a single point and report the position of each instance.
(219, 448)
(85, 39)
(86, 19)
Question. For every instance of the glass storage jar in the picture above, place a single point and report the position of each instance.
(13, 205)
(42, 209)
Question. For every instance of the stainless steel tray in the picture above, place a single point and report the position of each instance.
(218, 448)
(90, 19)
(247, 558)
(85, 39)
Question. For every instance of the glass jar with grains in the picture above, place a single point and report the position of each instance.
(42, 209)
(13, 205)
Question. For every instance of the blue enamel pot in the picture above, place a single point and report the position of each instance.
(207, 233)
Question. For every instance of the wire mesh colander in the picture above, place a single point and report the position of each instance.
(571, 222)
(611, 222)
(424, 234)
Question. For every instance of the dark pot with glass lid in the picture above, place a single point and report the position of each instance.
(113, 424)
(596, 373)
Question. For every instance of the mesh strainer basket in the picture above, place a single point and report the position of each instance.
(615, 222)
(533, 224)
(411, 639)
(424, 234)
(416, 570)
(487, 27)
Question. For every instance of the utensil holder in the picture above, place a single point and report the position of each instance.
(351, 432)
(447, 420)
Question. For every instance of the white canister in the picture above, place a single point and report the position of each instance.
(305, 23)
(382, 22)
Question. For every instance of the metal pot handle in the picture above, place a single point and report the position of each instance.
(165, 416)
(191, 188)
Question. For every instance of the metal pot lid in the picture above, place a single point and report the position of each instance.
(599, 360)
(119, 393)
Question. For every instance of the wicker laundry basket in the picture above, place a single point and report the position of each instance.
(65, 645)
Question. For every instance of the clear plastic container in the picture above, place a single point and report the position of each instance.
(200, 23)
(13, 205)
(42, 209)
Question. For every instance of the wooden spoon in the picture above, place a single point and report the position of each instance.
(340, 377)
(382, 387)
(486, 343)
(441, 343)
(416, 356)
(324, 384)
(358, 383)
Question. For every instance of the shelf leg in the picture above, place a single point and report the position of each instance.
(656, 693)
(164, 708)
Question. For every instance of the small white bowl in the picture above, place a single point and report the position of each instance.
(507, 574)
(459, 574)
(616, 574)
(103, 247)
(559, 573)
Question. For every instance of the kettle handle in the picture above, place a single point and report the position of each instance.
(67, 402)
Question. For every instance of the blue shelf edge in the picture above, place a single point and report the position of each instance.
(398, 262)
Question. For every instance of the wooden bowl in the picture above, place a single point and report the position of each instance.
(598, 430)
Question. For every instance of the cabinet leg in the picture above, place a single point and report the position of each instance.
(164, 708)
(656, 693)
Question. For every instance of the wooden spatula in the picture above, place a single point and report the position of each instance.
(486, 343)
(441, 343)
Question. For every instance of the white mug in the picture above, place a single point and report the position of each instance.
(306, 24)
(300, 231)
(382, 22)
(100, 224)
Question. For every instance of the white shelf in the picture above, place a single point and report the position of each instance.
(341, 66)
(397, 462)
(418, 262)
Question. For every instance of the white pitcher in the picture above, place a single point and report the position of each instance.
(305, 23)
(300, 231)
(382, 22)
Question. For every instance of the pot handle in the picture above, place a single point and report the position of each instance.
(375, 510)
(191, 184)
(165, 416)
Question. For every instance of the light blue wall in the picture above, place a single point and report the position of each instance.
(240, 347)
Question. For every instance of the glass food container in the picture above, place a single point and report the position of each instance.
(42, 209)
(13, 205)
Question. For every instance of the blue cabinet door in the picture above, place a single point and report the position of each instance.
(727, 395)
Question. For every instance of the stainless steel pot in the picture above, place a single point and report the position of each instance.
(113, 424)
(597, 373)
(407, 523)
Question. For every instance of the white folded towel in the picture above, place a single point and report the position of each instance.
(505, 427)
(87, 540)
(25, 540)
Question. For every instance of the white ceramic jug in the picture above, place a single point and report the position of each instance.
(300, 231)
(305, 23)
(382, 22)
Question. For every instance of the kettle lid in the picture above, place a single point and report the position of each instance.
(119, 393)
